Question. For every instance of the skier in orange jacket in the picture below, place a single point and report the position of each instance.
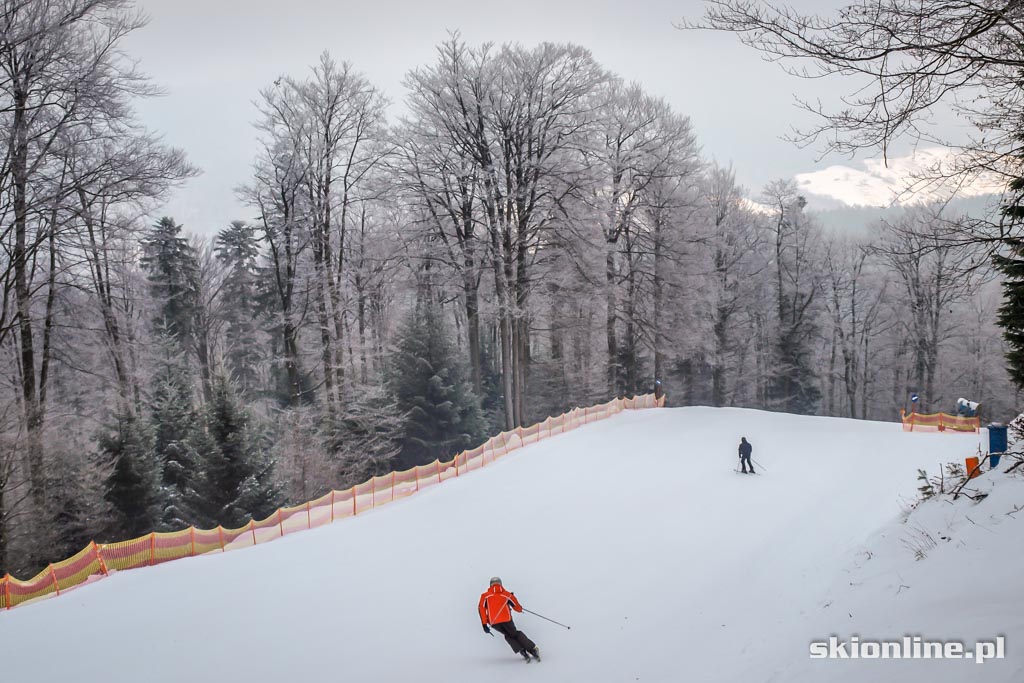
(496, 605)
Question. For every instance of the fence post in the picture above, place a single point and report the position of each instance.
(353, 500)
(152, 548)
(438, 462)
(99, 558)
(53, 574)
(280, 522)
(220, 534)
(309, 519)
(7, 591)
(457, 465)
(192, 535)
(252, 528)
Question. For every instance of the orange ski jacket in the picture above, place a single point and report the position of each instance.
(494, 605)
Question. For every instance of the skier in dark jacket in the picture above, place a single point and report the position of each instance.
(496, 605)
(745, 450)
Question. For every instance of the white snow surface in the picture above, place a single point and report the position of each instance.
(635, 531)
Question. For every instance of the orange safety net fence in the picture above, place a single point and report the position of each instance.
(939, 422)
(96, 560)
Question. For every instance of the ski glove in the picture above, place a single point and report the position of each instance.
(487, 629)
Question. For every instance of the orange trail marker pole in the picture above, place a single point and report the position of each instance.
(99, 558)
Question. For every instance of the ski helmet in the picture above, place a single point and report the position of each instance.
(495, 581)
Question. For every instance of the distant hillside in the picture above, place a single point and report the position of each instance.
(854, 219)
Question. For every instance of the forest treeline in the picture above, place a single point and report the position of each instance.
(534, 233)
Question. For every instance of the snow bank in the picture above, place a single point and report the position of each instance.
(950, 571)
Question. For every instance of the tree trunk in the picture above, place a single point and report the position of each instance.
(291, 363)
(335, 289)
(3, 522)
(832, 376)
(22, 263)
(523, 330)
(659, 301)
(361, 320)
(322, 295)
(97, 258)
(631, 342)
(721, 341)
(51, 292)
(613, 345)
(205, 363)
(472, 299)
(504, 333)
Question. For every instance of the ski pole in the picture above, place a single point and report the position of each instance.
(759, 464)
(551, 620)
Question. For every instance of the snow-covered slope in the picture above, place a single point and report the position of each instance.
(635, 531)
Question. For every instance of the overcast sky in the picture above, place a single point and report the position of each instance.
(213, 56)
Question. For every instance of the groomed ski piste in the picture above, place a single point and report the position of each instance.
(635, 531)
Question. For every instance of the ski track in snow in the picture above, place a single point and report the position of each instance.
(634, 530)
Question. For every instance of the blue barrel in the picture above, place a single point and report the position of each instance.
(996, 438)
(993, 460)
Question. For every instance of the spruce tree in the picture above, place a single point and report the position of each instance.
(363, 435)
(238, 249)
(238, 476)
(1011, 312)
(792, 382)
(133, 487)
(70, 522)
(173, 280)
(289, 384)
(433, 392)
(174, 421)
(74, 505)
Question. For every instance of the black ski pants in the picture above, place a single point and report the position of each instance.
(745, 462)
(515, 638)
